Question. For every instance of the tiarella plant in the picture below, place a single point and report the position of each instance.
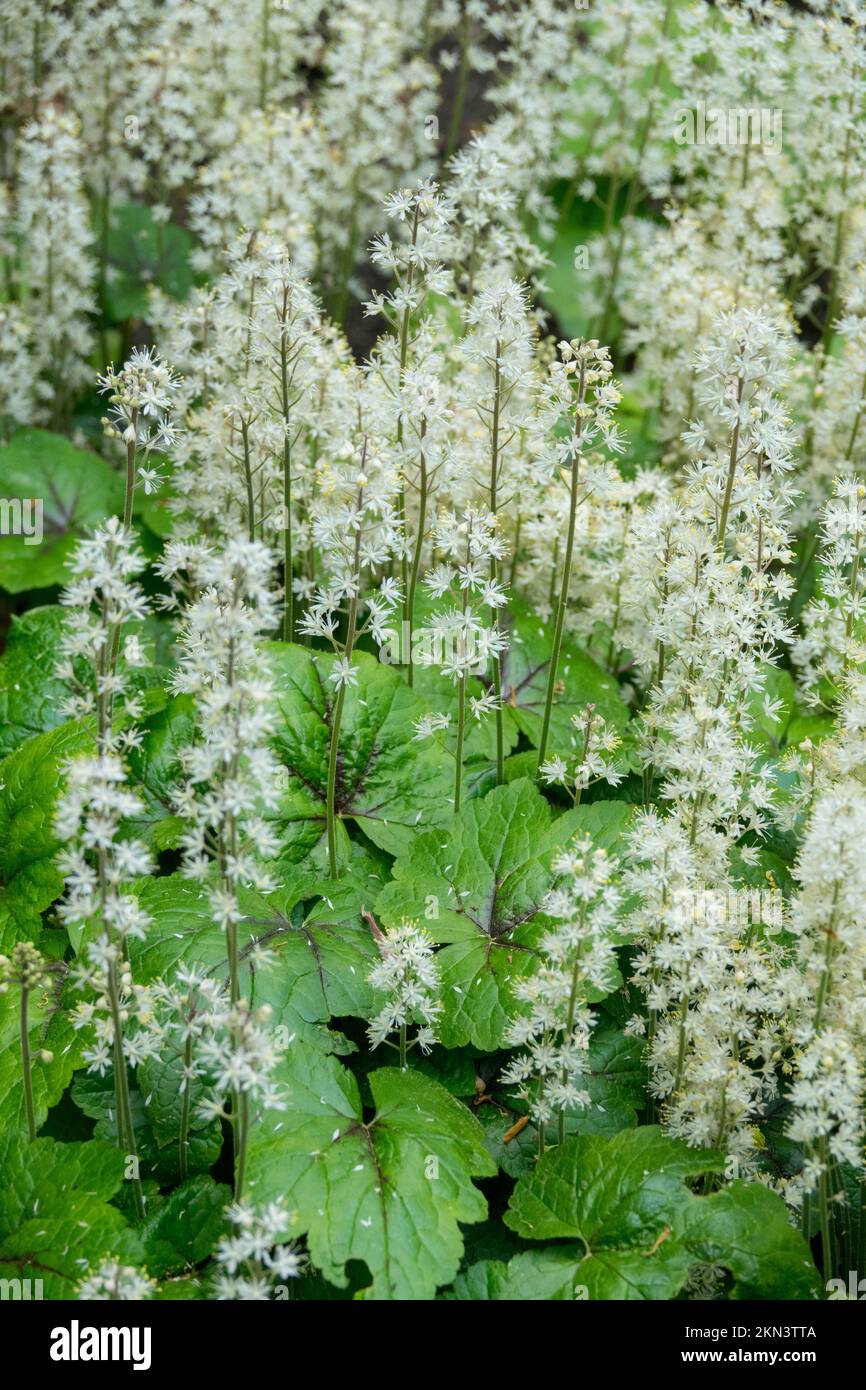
(433, 685)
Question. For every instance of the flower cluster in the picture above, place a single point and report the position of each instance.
(114, 1282)
(555, 1022)
(590, 760)
(408, 974)
(256, 1257)
(141, 399)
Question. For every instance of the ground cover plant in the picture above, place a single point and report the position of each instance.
(433, 696)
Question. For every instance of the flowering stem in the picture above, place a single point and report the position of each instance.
(681, 1050)
(460, 94)
(125, 1126)
(404, 357)
(263, 62)
(827, 972)
(341, 692)
(419, 540)
(248, 478)
(461, 704)
(242, 1131)
(852, 611)
(855, 428)
(631, 193)
(572, 1009)
(130, 484)
(839, 239)
(288, 562)
(461, 728)
(403, 1049)
(26, 1064)
(185, 1105)
(494, 568)
(732, 470)
(566, 575)
(824, 1214)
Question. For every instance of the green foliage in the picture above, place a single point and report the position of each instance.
(390, 1191)
(144, 252)
(76, 489)
(478, 886)
(29, 783)
(386, 784)
(639, 1228)
(56, 1220)
(524, 682)
(30, 692)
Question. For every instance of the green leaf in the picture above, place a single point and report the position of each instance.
(616, 1073)
(390, 1192)
(745, 1227)
(615, 1078)
(525, 667)
(30, 693)
(480, 734)
(30, 780)
(813, 726)
(321, 961)
(144, 252)
(534, 1275)
(158, 1154)
(779, 690)
(155, 768)
(186, 1227)
(608, 1192)
(641, 1228)
(386, 784)
(478, 886)
(566, 281)
(49, 1029)
(77, 490)
(55, 1221)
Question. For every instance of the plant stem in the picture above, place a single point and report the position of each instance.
(419, 541)
(824, 1216)
(733, 460)
(461, 728)
(494, 565)
(572, 1009)
(566, 575)
(341, 693)
(27, 1065)
(248, 478)
(681, 1050)
(185, 1106)
(130, 485)
(125, 1125)
(461, 702)
(460, 93)
(631, 194)
(242, 1131)
(401, 506)
(288, 562)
